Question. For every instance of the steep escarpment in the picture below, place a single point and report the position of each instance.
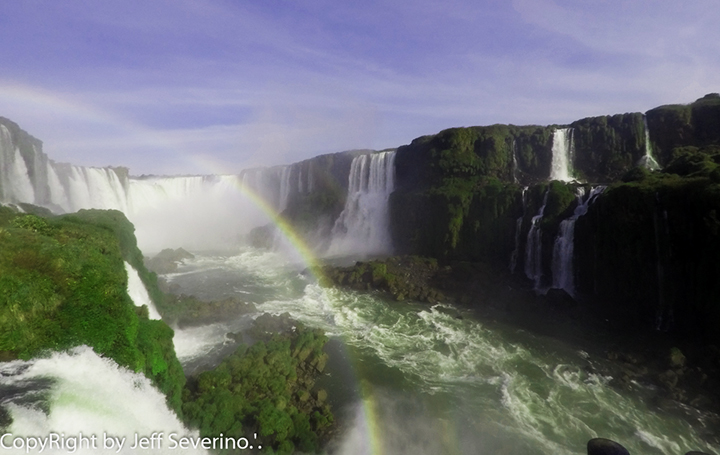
(641, 238)
(684, 125)
(322, 185)
(650, 248)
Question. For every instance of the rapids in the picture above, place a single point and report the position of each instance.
(404, 378)
(79, 394)
(412, 378)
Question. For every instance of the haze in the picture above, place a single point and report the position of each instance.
(215, 86)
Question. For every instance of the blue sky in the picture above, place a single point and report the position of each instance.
(180, 86)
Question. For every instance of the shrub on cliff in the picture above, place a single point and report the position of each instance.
(63, 284)
(265, 389)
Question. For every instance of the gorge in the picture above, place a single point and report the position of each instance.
(616, 211)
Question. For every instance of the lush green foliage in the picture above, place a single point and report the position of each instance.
(682, 125)
(265, 389)
(63, 283)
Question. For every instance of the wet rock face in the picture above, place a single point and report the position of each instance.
(602, 446)
(677, 359)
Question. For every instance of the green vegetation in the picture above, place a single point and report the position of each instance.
(682, 125)
(606, 146)
(403, 277)
(266, 389)
(560, 198)
(63, 284)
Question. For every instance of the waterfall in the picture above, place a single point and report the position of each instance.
(310, 180)
(90, 187)
(80, 397)
(195, 212)
(563, 151)
(533, 247)
(191, 211)
(363, 225)
(138, 292)
(15, 183)
(564, 247)
(647, 160)
(518, 230)
(62, 187)
(284, 188)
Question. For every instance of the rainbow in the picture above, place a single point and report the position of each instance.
(369, 411)
(30, 105)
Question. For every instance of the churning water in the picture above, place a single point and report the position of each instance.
(433, 380)
(417, 379)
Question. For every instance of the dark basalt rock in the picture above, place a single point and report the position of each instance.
(602, 446)
(559, 298)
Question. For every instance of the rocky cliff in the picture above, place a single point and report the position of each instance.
(646, 242)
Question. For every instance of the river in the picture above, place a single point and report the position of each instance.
(404, 377)
(411, 378)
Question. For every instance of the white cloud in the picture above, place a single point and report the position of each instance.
(263, 89)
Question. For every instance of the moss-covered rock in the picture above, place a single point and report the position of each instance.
(680, 125)
(403, 277)
(63, 284)
(268, 390)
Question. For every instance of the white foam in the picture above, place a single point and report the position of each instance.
(138, 292)
(91, 395)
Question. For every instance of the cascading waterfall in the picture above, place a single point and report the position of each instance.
(88, 187)
(563, 150)
(138, 292)
(518, 230)
(533, 247)
(15, 184)
(564, 247)
(284, 188)
(61, 187)
(212, 210)
(363, 225)
(648, 161)
(78, 394)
